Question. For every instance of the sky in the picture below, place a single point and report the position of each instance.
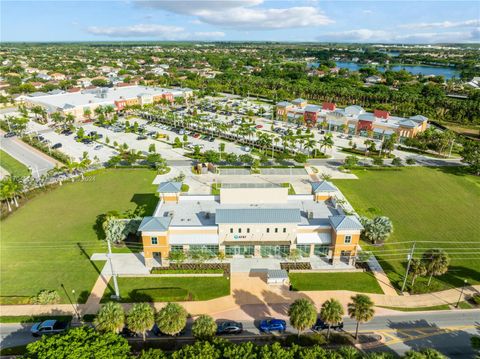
(386, 21)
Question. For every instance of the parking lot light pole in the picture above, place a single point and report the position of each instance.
(114, 276)
(409, 257)
(461, 293)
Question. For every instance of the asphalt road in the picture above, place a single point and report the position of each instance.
(17, 149)
(447, 331)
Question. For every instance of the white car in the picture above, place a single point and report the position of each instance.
(247, 149)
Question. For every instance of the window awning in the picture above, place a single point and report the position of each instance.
(314, 238)
(193, 239)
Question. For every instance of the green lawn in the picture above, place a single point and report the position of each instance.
(420, 309)
(12, 165)
(355, 281)
(169, 289)
(48, 241)
(435, 205)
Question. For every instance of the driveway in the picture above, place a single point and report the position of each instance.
(123, 264)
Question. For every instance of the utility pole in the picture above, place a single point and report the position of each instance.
(115, 283)
(410, 257)
(451, 147)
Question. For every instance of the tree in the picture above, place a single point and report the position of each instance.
(376, 230)
(327, 142)
(140, 318)
(351, 161)
(436, 262)
(471, 155)
(303, 314)
(294, 255)
(204, 327)
(428, 353)
(151, 148)
(83, 342)
(331, 313)
(397, 161)
(110, 318)
(177, 257)
(171, 319)
(361, 310)
(417, 268)
(221, 149)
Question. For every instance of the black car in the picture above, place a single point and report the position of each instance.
(57, 145)
(156, 330)
(66, 132)
(141, 137)
(127, 333)
(211, 139)
(229, 327)
(9, 134)
(321, 325)
(87, 141)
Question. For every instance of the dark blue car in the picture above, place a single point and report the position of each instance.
(273, 325)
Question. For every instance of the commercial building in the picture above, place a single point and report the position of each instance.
(253, 220)
(353, 120)
(118, 97)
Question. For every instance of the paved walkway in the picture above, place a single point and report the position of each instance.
(124, 263)
(93, 302)
(381, 277)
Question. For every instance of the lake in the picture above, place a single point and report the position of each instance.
(446, 72)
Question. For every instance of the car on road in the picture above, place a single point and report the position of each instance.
(49, 327)
(229, 327)
(57, 145)
(98, 147)
(349, 137)
(273, 325)
(321, 325)
(141, 137)
(259, 126)
(211, 139)
(9, 134)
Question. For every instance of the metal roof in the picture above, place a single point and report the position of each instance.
(418, 118)
(408, 123)
(257, 215)
(366, 117)
(284, 103)
(345, 223)
(169, 187)
(354, 110)
(154, 224)
(277, 274)
(323, 186)
(312, 108)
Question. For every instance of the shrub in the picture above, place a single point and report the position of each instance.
(46, 297)
(476, 299)
(341, 339)
(397, 161)
(378, 161)
(306, 340)
(411, 161)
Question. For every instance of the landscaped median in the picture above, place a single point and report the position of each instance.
(169, 289)
(363, 282)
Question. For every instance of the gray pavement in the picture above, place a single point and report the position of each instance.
(16, 148)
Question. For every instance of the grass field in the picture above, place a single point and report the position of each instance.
(13, 166)
(436, 207)
(169, 289)
(48, 241)
(357, 281)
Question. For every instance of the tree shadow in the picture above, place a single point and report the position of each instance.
(147, 200)
(256, 310)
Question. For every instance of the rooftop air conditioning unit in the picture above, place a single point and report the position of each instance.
(310, 214)
(207, 215)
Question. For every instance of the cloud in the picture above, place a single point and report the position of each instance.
(163, 32)
(243, 14)
(442, 25)
(382, 36)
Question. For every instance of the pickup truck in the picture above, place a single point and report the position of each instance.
(51, 326)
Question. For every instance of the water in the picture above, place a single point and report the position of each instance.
(446, 72)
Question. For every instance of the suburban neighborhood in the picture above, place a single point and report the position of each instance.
(210, 195)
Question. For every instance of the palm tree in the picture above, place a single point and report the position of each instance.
(57, 118)
(327, 142)
(331, 313)
(436, 262)
(110, 318)
(71, 167)
(204, 327)
(417, 268)
(303, 314)
(171, 319)
(140, 318)
(377, 229)
(6, 193)
(361, 310)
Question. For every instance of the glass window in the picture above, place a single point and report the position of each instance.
(304, 249)
(231, 230)
(268, 230)
(348, 239)
(239, 250)
(284, 230)
(205, 248)
(248, 230)
(239, 230)
(282, 251)
(276, 230)
(321, 250)
(176, 248)
(154, 240)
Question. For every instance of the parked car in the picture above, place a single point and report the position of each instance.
(273, 325)
(229, 327)
(349, 137)
(127, 333)
(141, 137)
(321, 325)
(10, 134)
(196, 135)
(49, 327)
(211, 139)
(57, 145)
(98, 147)
(156, 330)
(247, 149)
(258, 126)
(66, 132)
